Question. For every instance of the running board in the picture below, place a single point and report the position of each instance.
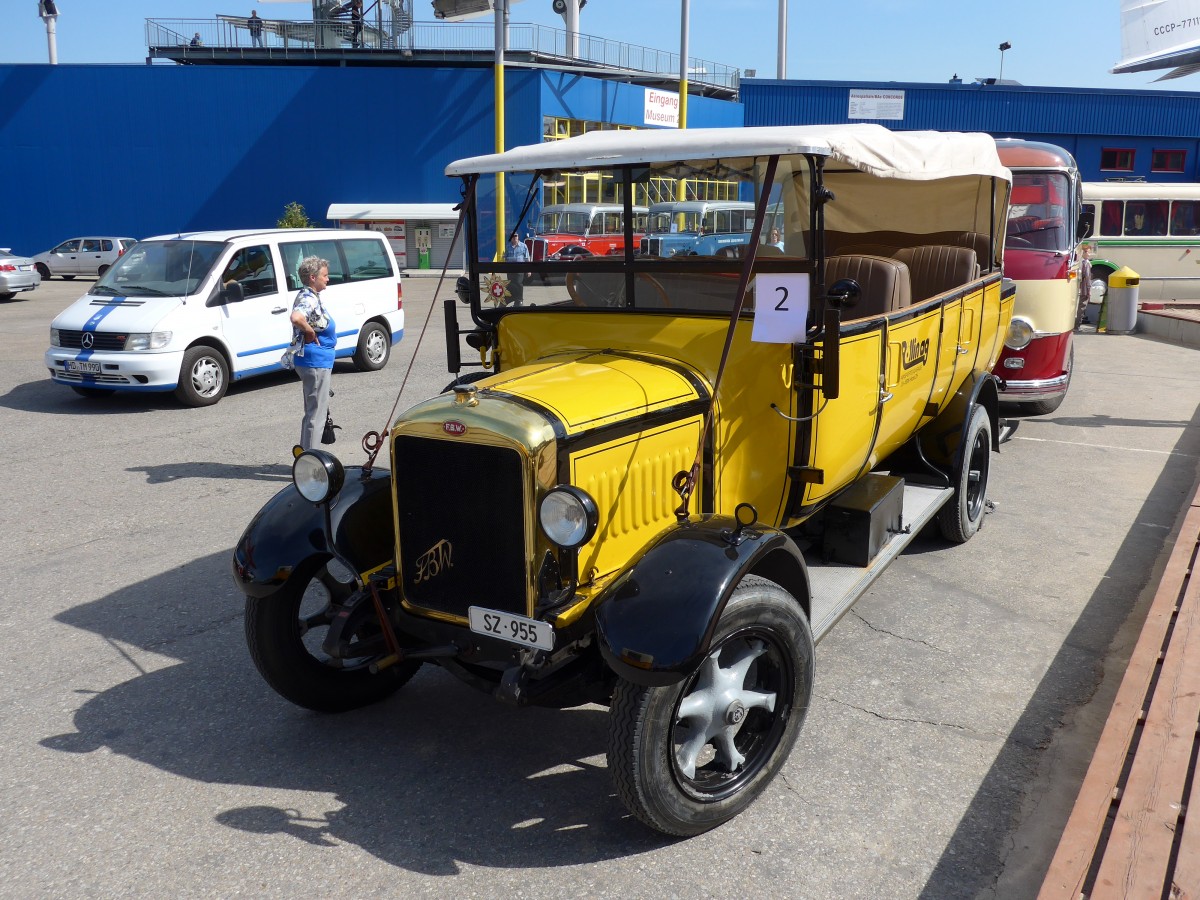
(836, 587)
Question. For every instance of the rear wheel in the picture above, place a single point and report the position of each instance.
(203, 377)
(962, 516)
(68, 277)
(374, 347)
(102, 270)
(285, 634)
(689, 756)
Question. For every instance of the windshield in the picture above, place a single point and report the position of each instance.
(173, 268)
(1039, 212)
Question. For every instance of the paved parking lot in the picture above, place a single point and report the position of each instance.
(954, 713)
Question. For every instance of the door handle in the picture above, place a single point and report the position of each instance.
(885, 396)
(279, 309)
(963, 351)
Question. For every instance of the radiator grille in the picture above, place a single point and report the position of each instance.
(462, 525)
(101, 340)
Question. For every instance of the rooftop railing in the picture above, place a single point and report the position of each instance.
(180, 39)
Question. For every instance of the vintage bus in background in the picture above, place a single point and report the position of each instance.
(1042, 256)
(1154, 229)
(584, 229)
(699, 227)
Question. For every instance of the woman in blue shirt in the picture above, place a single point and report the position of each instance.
(314, 337)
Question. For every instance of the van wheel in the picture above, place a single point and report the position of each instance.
(101, 270)
(374, 348)
(687, 757)
(203, 377)
(44, 271)
(961, 517)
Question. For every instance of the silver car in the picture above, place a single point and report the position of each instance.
(17, 273)
(82, 256)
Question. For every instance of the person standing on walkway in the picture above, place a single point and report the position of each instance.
(517, 252)
(254, 23)
(356, 19)
(315, 335)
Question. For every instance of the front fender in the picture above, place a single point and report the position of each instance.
(655, 622)
(289, 530)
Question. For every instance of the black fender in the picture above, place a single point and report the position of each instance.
(943, 439)
(289, 533)
(655, 621)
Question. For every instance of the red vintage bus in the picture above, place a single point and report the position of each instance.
(584, 229)
(1042, 255)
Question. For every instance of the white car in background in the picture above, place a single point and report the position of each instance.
(82, 256)
(17, 273)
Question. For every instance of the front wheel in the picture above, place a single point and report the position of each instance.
(203, 377)
(961, 517)
(285, 634)
(374, 347)
(689, 756)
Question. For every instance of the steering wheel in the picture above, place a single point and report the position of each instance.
(592, 291)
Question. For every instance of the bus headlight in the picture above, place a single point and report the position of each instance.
(568, 516)
(318, 475)
(1020, 333)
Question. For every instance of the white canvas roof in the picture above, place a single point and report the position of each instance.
(908, 155)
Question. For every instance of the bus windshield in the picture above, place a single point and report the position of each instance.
(1039, 212)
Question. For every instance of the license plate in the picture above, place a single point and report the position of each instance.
(89, 368)
(507, 627)
(24, 268)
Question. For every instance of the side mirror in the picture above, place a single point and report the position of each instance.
(844, 293)
(1086, 225)
(462, 287)
(232, 293)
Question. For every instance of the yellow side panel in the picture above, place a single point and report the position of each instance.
(911, 362)
(630, 480)
(843, 432)
(949, 360)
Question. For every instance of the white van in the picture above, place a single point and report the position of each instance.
(188, 312)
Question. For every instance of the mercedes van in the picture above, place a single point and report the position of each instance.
(190, 312)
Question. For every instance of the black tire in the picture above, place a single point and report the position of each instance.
(284, 633)
(7, 296)
(1045, 407)
(100, 272)
(43, 270)
(92, 393)
(963, 515)
(374, 348)
(68, 277)
(203, 377)
(675, 776)
(469, 378)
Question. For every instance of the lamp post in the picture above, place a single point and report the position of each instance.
(781, 67)
(1005, 46)
(48, 11)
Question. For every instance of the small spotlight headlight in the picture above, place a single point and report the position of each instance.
(1020, 333)
(568, 516)
(318, 475)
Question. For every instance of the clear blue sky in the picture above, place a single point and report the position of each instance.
(1069, 43)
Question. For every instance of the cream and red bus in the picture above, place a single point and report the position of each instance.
(1042, 255)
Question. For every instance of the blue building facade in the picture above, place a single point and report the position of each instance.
(1136, 134)
(144, 150)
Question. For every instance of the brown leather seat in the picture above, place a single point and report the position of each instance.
(935, 268)
(884, 283)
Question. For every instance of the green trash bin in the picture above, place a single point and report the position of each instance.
(423, 259)
(1121, 302)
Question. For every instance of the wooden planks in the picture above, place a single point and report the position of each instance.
(1128, 834)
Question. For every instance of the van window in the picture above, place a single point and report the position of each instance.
(105, 245)
(251, 267)
(366, 260)
(91, 245)
(67, 247)
(296, 252)
(174, 268)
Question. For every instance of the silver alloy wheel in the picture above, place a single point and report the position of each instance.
(207, 377)
(376, 347)
(715, 710)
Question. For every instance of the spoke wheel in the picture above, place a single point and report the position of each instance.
(963, 515)
(687, 757)
(286, 632)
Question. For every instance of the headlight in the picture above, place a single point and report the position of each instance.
(55, 340)
(318, 475)
(1020, 333)
(155, 340)
(568, 516)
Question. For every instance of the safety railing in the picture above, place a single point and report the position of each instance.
(181, 38)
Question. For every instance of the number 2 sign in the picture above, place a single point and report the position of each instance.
(780, 308)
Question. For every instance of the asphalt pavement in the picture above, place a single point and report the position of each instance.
(956, 707)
